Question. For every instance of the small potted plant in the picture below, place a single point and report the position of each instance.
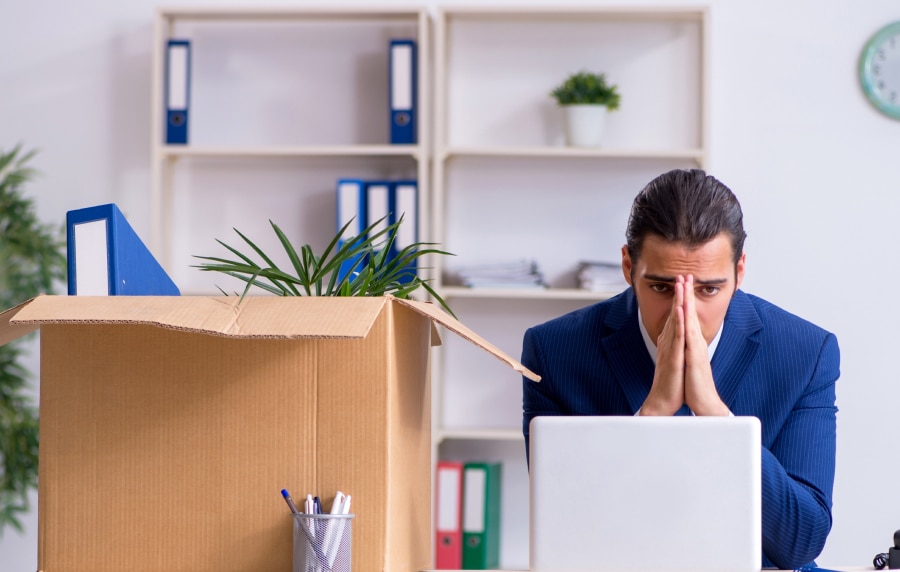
(586, 98)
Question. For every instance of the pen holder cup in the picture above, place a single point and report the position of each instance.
(322, 542)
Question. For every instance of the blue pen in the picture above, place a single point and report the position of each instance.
(317, 509)
(309, 536)
(289, 501)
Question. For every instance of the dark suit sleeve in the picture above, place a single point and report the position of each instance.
(798, 470)
(537, 398)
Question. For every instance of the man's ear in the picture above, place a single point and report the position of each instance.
(739, 270)
(627, 267)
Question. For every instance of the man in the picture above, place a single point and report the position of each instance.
(683, 339)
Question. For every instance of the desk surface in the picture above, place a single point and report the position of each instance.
(839, 569)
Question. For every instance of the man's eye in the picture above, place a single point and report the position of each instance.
(661, 288)
(710, 290)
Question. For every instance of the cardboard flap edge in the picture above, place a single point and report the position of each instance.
(263, 318)
(437, 315)
(10, 331)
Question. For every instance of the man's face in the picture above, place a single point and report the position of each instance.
(653, 278)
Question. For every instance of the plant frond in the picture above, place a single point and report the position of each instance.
(32, 259)
(367, 264)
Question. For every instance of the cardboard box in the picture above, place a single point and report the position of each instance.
(169, 426)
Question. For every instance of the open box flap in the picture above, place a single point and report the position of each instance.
(260, 317)
(439, 316)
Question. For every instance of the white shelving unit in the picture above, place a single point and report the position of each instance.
(284, 101)
(506, 188)
(287, 100)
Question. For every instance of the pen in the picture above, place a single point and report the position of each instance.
(316, 529)
(331, 526)
(308, 509)
(289, 501)
(332, 552)
(313, 544)
(317, 509)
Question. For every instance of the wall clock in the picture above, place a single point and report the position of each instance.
(879, 70)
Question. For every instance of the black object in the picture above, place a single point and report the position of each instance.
(891, 558)
(894, 552)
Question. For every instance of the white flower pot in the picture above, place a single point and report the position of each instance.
(584, 124)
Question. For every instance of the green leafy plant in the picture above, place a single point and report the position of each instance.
(32, 260)
(358, 266)
(587, 88)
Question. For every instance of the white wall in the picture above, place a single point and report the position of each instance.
(815, 166)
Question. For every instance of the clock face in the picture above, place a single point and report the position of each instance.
(879, 70)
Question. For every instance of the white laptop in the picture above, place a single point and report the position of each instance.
(645, 493)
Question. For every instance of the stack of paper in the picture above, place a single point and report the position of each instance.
(515, 274)
(601, 276)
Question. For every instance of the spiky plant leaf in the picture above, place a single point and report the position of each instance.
(374, 271)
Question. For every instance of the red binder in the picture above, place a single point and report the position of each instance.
(448, 516)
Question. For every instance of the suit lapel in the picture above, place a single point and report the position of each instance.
(625, 351)
(737, 347)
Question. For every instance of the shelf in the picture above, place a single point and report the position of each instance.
(506, 187)
(280, 12)
(544, 13)
(303, 78)
(524, 293)
(478, 435)
(696, 155)
(175, 151)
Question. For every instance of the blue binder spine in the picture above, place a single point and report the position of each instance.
(351, 208)
(378, 208)
(106, 257)
(403, 91)
(405, 205)
(178, 90)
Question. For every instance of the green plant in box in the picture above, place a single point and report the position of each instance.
(375, 272)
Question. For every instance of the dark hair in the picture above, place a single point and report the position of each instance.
(686, 206)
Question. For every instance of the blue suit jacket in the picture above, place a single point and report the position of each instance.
(769, 364)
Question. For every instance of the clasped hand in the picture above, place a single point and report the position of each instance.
(683, 374)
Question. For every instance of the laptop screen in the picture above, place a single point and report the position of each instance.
(645, 493)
